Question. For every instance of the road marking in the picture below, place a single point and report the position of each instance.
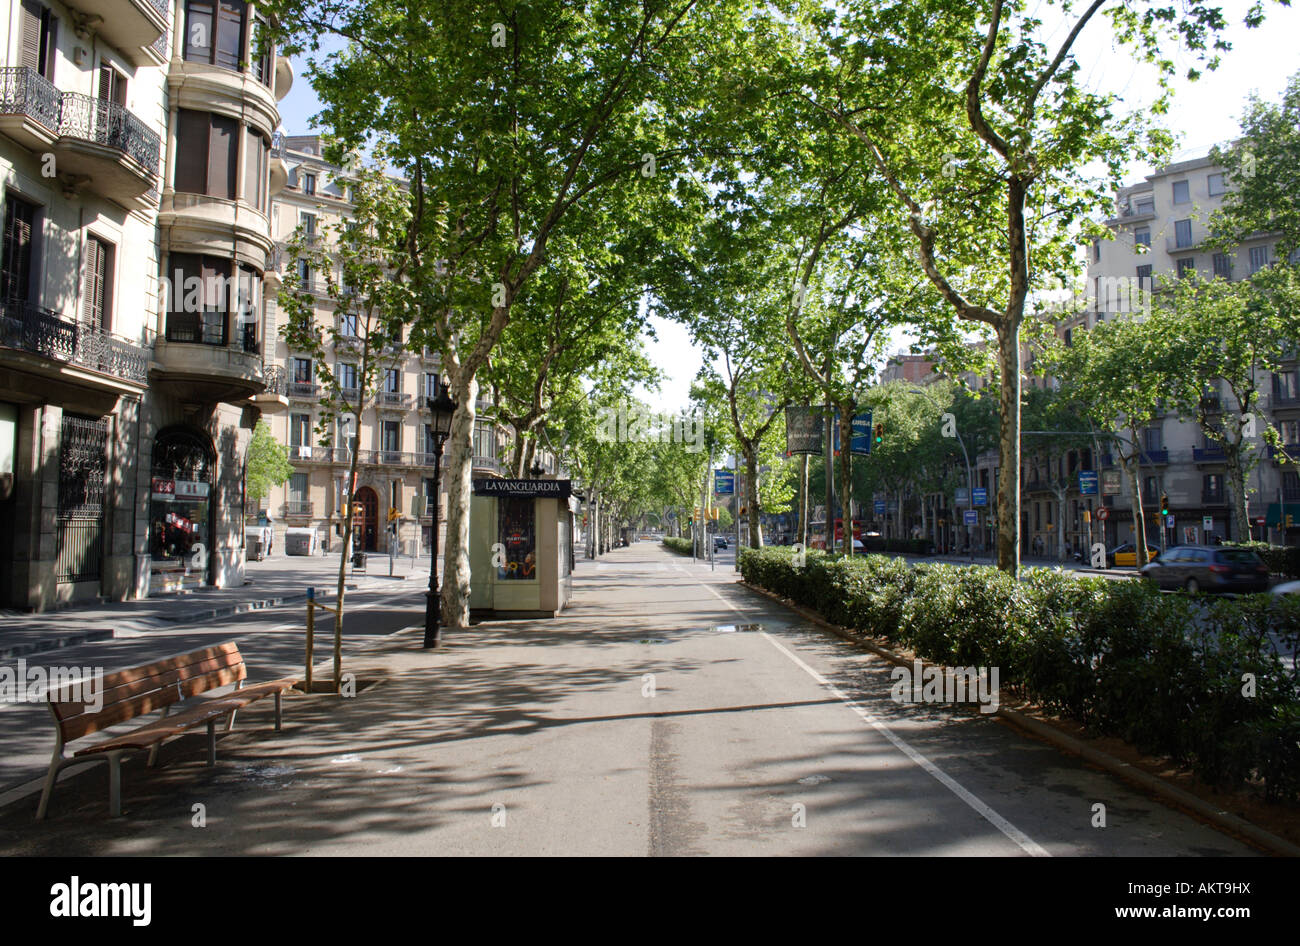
(1027, 844)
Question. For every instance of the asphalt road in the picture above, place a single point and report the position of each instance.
(667, 712)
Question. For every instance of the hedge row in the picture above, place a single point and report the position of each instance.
(1164, 672)
(1280, 559)
(680, 546)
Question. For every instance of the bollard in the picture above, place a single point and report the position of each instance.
(311, 631)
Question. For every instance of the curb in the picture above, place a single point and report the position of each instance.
(1170, 794)
(41, 646)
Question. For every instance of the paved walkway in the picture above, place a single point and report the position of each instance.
(668, 711)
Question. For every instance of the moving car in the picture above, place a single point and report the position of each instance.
(719, 542)
(1126, 554)
(1208, 568)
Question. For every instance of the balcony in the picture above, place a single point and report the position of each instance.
(195, 363)
(303, 391)
(216, 222)
(1154, 457)
(486, 464)
(296, 508)
(66, 346)
(1288, 451)
(95, 143)
(393, 399)
(133, 26)
(273, 399)
(1208, 454)
(301, 453)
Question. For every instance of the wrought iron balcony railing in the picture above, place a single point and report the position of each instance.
(1208, 454)
(43, 332)
(297, 508)
(303, 389)
(25, 91)
(112, 125)
(393, 399)
(276, 379)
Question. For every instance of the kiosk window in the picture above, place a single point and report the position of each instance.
(516, 522)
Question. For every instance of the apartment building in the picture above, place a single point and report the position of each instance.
(395, 485)
(1161, 230)
(134, 155)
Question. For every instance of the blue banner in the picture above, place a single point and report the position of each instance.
(879, 506)
(972, 517)
(1088, 483)
(724, 482)
(981, 495)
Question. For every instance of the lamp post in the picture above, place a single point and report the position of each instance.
(443, 407)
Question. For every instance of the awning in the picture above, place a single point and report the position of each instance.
(1276, 512)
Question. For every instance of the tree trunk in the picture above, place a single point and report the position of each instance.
(1134, 471)
(827, 452)
(1060, 524)
(1240, 518)
(459, 472)
(1009, 446)
(801, 535)
(751, 491)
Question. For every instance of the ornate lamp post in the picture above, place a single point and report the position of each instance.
(443, 407)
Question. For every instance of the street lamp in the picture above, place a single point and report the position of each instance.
(443, 408)
(970, 480)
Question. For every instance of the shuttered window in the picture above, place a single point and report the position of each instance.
(198, 302)
(207, 149)
(16, 254)
(95, 290)
(39, 32)
(112, 85)
(256, 149)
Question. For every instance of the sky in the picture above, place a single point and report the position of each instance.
(1203, 113)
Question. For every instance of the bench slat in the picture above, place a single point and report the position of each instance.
(69, 708)
(146, 736)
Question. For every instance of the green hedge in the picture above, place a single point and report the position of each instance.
(1281, 559)
(680, 546)
(1159, 671)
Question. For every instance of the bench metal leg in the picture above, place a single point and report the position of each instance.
(230, 722)
(153, 752)
(50, 778)
(115, 784)
(277, 710)
(212, 742)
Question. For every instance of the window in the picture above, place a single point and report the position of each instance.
(393, 380)
(215, 32)
(96, 288)
(345, 433)
(430, 442)
(1144, 277)
(198, 300)
(391, 433)
(516, 532)
(298, 488)
(1183, 232)
(1142, 236)
(207, 150)
(262, 52)
(347, 376)
(1289, 431)
(485, 441)
(304, 275)
(1258, 258)
(1182, 193)
(1285, 386)
(1212, 488)
(1153, 439)
(309, 183)
(39, 32)
(299, 430)
(1186, 266)
(431, 385)
(1068, 337)
(1096, 251)
(308, 223)
(16, 257)
(257, 150)
(302, 371)
(1222, 266)
(1144, 205)
(348, 324)
(1216, 185)
(1290, 485)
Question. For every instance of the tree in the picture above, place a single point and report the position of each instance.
(506, 119)
(268, 463)
(981, 134)
(356, 262)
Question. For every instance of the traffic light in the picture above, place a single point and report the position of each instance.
(1164, 504)
(880, 433)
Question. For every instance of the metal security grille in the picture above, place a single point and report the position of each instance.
(83, 460)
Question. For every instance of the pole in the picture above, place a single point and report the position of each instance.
(431, 628)
(736, 465)
(311, 634)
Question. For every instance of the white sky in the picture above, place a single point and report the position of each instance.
(1203, 113)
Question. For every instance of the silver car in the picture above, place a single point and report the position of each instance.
(1204, 568)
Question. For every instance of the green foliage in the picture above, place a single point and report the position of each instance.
(680, 546)
(1117, 655)
(268, 463)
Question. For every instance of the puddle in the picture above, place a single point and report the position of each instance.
(814, 779)
(653, 640)
(736, 628)
(345, 759)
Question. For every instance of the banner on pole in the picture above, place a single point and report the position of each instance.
(803, 429)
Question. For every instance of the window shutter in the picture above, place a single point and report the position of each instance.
(51, 44)
(192, 152)
(92, 292)
(222, 151)
(31, 34)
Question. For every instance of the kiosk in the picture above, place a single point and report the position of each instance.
(521, 547)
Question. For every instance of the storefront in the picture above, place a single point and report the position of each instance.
(180, 510)
(521, 546)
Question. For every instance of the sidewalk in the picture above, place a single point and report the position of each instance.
(277, 580)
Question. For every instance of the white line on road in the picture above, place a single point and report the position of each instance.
(1027, 844)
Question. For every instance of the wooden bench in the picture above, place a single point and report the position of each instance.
(140, 691)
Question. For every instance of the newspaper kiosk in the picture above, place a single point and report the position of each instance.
(521, 547)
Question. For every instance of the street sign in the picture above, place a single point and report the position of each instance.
(1087, 482)
(1169, 521)
(1207, 523)
(724, 482)
(981, 496)
(1110, 483)
(1103, 513)
(879, 506)
(962, 496)
(971, 517)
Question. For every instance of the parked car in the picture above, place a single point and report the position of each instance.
(1126, 554)
(1286, 588)
(1202, 568)
(719, 542)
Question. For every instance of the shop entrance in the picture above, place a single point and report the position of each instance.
(369, 523)
(180, 510)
